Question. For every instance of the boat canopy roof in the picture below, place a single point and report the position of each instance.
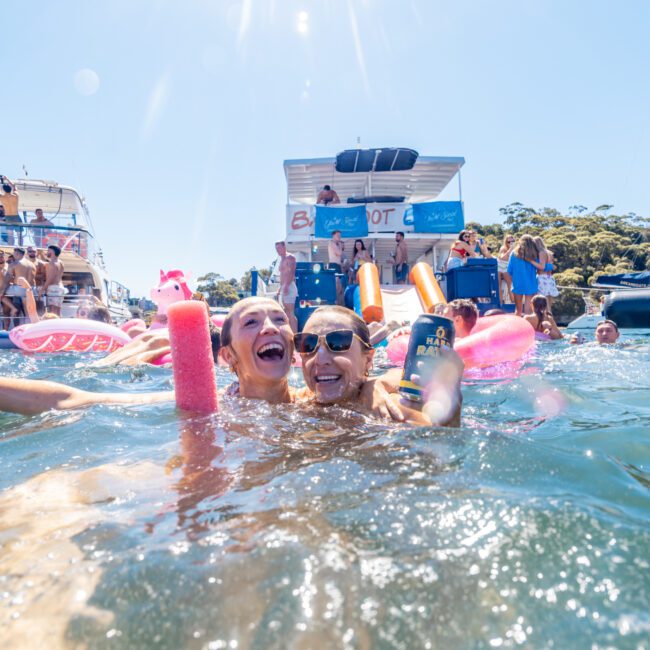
(355, 174)
(49, 196)
(623, 280)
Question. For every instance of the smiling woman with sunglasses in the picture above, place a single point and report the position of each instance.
(337, 359)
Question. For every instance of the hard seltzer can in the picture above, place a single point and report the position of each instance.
(429, 336)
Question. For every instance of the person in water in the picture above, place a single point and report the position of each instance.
(337, 359)
(542, 320)
(607, 333)
(464, 315)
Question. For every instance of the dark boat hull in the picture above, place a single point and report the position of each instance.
(630, 309)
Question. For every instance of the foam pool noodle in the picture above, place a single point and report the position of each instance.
(195, 382)
(372, 307)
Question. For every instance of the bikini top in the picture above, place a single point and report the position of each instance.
(548, 266)
(462, 252)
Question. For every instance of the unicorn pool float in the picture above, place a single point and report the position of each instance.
(84, 335)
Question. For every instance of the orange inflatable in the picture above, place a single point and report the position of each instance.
(372, 307)
(427, 286)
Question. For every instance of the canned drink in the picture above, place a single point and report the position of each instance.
(430, 335)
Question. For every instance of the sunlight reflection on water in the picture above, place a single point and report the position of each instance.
(270, 526)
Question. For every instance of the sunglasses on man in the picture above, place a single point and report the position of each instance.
(335, 341)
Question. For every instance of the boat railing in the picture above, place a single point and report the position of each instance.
(69, 239)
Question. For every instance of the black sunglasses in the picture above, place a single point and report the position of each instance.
(336, 341)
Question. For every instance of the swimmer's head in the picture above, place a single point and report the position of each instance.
(607, 332)
(336, 354)
(98, 313)
(257, 344)
(464, 313)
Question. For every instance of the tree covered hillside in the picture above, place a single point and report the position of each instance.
(586, 244)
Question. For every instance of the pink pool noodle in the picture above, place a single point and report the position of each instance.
(195, 382)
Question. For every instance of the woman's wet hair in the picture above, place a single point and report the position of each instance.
(357, 324)
(100, 313)
(539, 303)
(539, 242)
(215, 341)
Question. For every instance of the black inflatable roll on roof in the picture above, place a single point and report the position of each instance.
(375, 160)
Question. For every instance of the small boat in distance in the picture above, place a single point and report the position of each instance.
(627, 302)
(67, 225)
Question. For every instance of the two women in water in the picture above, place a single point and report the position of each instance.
(258, 344)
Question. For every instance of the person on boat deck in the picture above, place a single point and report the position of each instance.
(607, 333)
(522, 266)
(288, 291)
(38, 233)
(39, 277)
(21, 268)
(9, 211)
(400, 259)
(479, 245)
(360, 255)
(327, 195)
(335, 248)
(460, 251)
(53, 287)
(463, 313)
(542, 320)
(503, 257)
(545, 281)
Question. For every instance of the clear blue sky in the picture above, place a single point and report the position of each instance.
(179, 148)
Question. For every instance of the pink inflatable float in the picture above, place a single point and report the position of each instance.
(68, 335)
(494, 340)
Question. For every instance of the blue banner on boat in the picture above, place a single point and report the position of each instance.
(352, 222)
(438, 216)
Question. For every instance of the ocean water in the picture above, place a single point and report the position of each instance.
(277, 527)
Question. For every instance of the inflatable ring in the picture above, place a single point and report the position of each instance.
(68, 335)
(494, 340)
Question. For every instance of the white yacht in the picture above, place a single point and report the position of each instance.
(67, 225)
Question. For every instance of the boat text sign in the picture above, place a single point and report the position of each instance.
(380, 217)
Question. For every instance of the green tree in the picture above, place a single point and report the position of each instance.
(218, 292)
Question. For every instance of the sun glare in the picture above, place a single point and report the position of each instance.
(302, 22)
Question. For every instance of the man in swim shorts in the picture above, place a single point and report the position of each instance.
(53, 287)
(463, 313)
(288, 290)
(400, 259)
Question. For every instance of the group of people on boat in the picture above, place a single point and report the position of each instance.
(525, 266)
(30, 271)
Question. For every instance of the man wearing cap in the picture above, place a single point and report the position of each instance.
(9, 210)
(53, 287)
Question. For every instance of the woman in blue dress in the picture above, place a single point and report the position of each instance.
(522, 267)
